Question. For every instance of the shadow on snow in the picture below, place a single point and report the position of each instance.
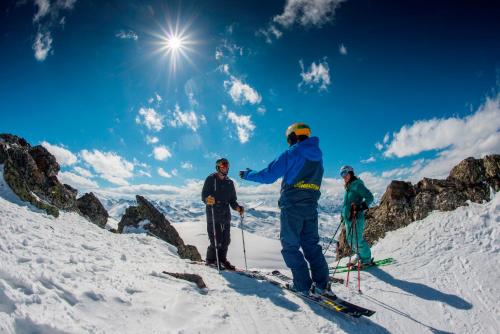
(265, 290)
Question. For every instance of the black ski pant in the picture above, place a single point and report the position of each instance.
(222, 231)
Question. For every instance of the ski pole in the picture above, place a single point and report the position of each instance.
(215, 239)
(331, 240)
(243, 238)
(359, 258)
(350, 254)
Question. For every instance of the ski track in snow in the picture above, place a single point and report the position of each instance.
(67, 275)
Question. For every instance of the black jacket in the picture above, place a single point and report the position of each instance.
(225, 195)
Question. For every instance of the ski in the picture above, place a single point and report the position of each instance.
(354, 267)
(336, 304)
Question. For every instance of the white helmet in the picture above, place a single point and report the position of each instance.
(345, 169)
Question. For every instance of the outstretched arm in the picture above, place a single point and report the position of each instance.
(275, 170)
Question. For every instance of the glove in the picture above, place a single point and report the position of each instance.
(240, 210)
(210, 200)
(361, 207)
(244, 173)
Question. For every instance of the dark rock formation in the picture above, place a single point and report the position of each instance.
(190, 278)
(90, 207)
(403, 203)
(492, 171)
(157, 225)
(31, 172)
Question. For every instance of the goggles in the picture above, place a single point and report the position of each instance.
(344, 173)
(223, 164)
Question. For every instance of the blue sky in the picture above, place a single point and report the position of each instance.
(396, 89)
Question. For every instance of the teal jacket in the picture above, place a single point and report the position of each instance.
(356, 192)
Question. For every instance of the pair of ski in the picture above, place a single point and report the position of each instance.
(284, 282)
(354, 267)
(334, 303)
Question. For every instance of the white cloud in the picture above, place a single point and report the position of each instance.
(307, 12)
(318, 75)
(186, 165)
(453, 139)
(63, 156)
(261, 110)
(243, 123)
(152, 139)
(109, 166)
(76, 181)
(164, 173)
(175, 172)
(241, 92)
(43, 9)
(150, 118)
(161, 153)
(379, 146)
(270, 33)
(367, 161)
(42, 45)
(228, 50)
(189, 119)
(46, 17)
(224, 68)
(129, 34)
(83, 172)
(143, 173)
(386, 138)
(475, 133)
(218, 54)
(303, 12)
(342, 49)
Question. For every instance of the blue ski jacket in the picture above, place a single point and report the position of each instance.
(301, 167)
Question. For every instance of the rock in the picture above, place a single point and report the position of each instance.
(343, 248)
(158, 225)
(188, 252)
(189, 277)
(394, 211)
(492, 170)
(90, 207)
(468, 171)
(45, 161)
(13, 139)
(403, 203)
(31, 172)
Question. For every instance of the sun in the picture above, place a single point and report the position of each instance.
(174, 43)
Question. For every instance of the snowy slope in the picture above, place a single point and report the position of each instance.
(66, 275)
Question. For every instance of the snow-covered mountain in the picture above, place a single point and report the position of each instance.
(262, 214)
(66, 275)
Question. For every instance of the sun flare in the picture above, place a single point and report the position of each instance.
(175, 44)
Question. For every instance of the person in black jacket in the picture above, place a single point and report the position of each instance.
(219, 194)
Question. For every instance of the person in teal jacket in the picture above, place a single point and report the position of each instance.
(357, 198)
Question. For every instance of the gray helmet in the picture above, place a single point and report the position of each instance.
(346, 169)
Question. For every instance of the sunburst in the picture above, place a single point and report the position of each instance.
(175, 43)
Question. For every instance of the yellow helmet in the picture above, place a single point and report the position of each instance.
(295, 130)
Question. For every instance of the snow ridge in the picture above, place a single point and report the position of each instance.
(66, 275)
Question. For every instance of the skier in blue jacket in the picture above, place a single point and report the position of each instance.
(301, 167)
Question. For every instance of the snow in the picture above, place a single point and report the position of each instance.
(66, 275)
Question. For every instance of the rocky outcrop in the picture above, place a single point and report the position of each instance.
(31, 172)
(90, 207)
(403, 203)
(156, 223)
